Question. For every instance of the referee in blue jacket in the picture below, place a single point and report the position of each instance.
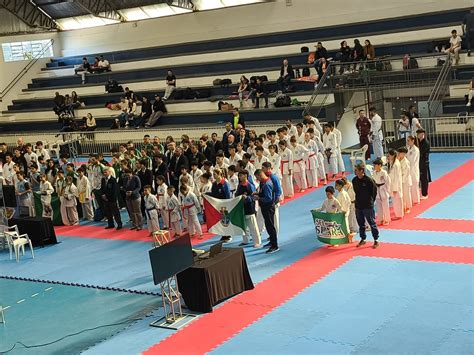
(266, 200)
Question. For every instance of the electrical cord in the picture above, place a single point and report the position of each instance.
(67, 336)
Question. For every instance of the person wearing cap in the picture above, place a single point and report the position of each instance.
(425, 175)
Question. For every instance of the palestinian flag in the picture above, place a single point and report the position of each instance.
(224, 217)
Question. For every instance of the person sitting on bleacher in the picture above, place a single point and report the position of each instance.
(129, 94)
(122, 118)
(170, 84)
(244, 88)
(261, 93)
(286, 74)
(82, 69)
(357, 52)
(455, 46)
(345, 55)
(159, 109)
(369, 50)
(319, 54)
(59, 103)
(104, 64)
(145, 114)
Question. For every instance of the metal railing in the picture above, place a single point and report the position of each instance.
(440, 88)
(25, 70)
(454, 133)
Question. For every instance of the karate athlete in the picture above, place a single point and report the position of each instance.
(382, 201)
(396, 188)
(172, 210)
(406, 178)
(275, 159)
(376, 131)
(345, 202)
(340, 162)
(151, 210)
(312, 161)
(190, 207)
(161, 189)
(286, 168)
(299, 169)
(330, 204)
(260, 158)
(319, 156)
(246, 190)
(330, 150)
(353, 226)
(413, 156)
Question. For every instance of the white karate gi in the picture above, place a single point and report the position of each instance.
(286, 167)
(396, 188)
(330, 206)
(84, 190)
(234, 160)
(353, 226)
(233, 183)
(196, 175)
(406, 183)
(345, 202)
(70, 205)
(161, 197)
(382, 201)
(60, 185)
(174, 216)
(191, 207)
(340, 162)
(299, 169)
(312, 163)
(413, 156)
(377, 135)
(275, 160)
(320, 157)
(151, 208)
(330, 142)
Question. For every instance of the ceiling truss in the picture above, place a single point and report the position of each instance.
(28, 12)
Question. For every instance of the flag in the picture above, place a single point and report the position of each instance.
(331, 228)
(224, 217)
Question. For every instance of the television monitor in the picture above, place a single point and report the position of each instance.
(171, 258)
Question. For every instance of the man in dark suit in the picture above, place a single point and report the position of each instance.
(243, 138)
(286, 74)
(146, 178)
(196, 155)
(216, 143)
(169, 154)
(178, 161)
(225, 136)
(109, 190)
(206, 148)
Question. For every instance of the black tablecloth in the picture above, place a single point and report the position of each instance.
(39, 229)
(210, 281)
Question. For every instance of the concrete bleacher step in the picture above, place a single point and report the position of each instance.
(191, 106)
(252, 53)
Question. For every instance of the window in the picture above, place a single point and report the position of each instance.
(27, 50)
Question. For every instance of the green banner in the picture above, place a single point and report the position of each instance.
(55, 204)
(330, 228)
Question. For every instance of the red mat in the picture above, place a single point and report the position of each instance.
(211, 330)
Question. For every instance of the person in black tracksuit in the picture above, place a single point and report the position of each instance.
(425, 175)
(109, 190)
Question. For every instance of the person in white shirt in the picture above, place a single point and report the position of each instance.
(104, 64)
(191, 207)
(413, 156)
(185, 174)
(382, 200)
(286, 168)
(46, 190)
(232, 178)
(173, 211)
(84, 194)
(41, 151)
(151, 210)
(311, 161)
(221, 161)
(340, 162)
(299, 169)
(404, 129)
(455, 46)
(161, 189)
(396, 188)
(377, 134)
(319, 155)
(345, 202)
(206, 186)
(330, 204)
(234, 157)
(353, 226)
(195, 175)
(30, 156)
(275, 159)
(7, 169)
(406, 178)
(259, 158)
(299, 133)
(291, 129)
(470, 93)
(330, 150)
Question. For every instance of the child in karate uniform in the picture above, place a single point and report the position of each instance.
(406, 178)
(413, 156)
(319, 156)
(275, 159)
(161, 188)
(330, 204)
(382, 203)
(70, 203)
(232, 179)
(311, 161)
(84, 190)
(353, 226)
(299, 169)
(330, 150)
(172, 210)
(190, 207)
(345, 202)
(151, 210)
(396, 188)
(46, 190)
(196, 175)
(286, 168)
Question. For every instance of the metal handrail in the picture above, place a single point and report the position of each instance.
(25, 70)
(441, 81)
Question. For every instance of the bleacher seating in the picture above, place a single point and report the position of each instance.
(197, 64)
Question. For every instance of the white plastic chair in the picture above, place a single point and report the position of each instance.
(358, 155)
(18, 241)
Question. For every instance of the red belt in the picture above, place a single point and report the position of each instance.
(297, 161)
(312, 155)
(282, 163)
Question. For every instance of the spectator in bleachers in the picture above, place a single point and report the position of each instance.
(470, 93)
(363, 128)
(95, 66)
(159, 109)
(369, 50)
(261, 93)
(468, 30)
(286, 74)
(404, 129)
(103, 64)
(59, 103)
(357, 51)
(145, 114)
(320, 54)
(122, 118)
(321, 69)
(345, 55)
(129, 94)
(244, 88)
(73, 104)
(82, 69)
(170, 84)
(89, 123)
(455, 46)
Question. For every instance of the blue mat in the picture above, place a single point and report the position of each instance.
(40, 313)
(369, 305)
(459, 205)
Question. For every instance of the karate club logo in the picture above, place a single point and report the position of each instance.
(225, 219)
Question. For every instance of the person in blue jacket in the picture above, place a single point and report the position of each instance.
(277, 191)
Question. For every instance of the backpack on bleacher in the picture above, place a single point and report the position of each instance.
(203, 93)
(283, 100)
(226, 82)
(263, 78)
(304, 49)
(217, 82)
